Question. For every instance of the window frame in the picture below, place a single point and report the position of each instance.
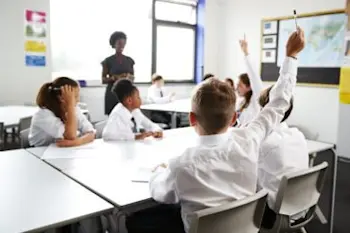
(157, 22)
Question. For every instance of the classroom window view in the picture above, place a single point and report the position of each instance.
(80, 39)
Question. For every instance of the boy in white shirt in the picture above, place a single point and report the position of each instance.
(283, 151)
(158, 95)
(126, 119)
(223, 167)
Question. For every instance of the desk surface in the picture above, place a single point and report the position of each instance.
(125, 157)
(182, 105)
(35, 196)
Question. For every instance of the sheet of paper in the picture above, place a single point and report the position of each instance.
(142, 175)
(90, 150)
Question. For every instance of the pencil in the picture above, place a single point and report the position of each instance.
(295, 19)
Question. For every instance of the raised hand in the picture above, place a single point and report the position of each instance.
(244, 46)
(296, 43)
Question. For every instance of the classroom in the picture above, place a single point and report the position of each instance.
(174, 116)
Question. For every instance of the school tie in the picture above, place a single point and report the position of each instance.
(134, 128)
(161, 93)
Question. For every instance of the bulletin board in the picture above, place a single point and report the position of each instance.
(321, 60)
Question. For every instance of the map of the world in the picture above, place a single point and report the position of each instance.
(324, 37)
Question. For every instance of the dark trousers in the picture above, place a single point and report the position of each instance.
(269, 218)
(159, 219)
(164, 118)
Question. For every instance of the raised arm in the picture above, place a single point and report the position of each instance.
(255, 80)
(280, 94)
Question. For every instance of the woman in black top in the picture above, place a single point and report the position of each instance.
(116, 67)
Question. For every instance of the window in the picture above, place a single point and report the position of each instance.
(175, 52)
(175, 35)
(176, 12)
(80, 32)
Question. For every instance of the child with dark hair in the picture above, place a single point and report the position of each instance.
(230, 82)
(283, 151)
(208, 76)
(59, 119)
(116, 67)
(126, 118)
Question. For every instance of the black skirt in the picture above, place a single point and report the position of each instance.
(111, 99)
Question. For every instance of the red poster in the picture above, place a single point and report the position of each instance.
(35, 16)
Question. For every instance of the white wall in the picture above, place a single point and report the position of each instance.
(315, 108)
(19, 84)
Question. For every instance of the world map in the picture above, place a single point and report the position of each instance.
(324, 37)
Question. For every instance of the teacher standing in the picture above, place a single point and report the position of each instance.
(116, 67)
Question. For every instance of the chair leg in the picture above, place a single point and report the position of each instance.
(320, 215)
(303, 230)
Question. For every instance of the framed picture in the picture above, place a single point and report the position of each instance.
(269, 42)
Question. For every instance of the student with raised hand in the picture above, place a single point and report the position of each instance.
(283, 151)
(223, 166)
(59, 119)
(126, 118)
(249, 88)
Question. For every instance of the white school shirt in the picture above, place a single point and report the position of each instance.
(119, 125)
(223, 168)
(253, 109)
(46, 128)
(283, 151)
(154, 95)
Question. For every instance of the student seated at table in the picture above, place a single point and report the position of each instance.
(249, 88)
(59, 119)
(126, 118)
(230, 82)
(223, 166)
(283, 151)
(158, 95)
(208, 76)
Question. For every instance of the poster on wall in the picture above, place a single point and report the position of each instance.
(344, 85)
(270, 27)
(269, 56)
(269, 42)
(35, 37)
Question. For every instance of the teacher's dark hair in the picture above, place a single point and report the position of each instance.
(49, 95)
(115, 37)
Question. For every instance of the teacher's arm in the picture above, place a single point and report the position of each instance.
(105, 74)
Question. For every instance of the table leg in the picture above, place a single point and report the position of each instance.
(173, 120)
(335, 167)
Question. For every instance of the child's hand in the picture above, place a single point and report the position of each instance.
(68, 96)
(143, 135)
(158, 134)
(163, 165)
(296, 43)
(244, 46)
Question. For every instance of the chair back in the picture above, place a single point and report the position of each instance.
(243, 216)
(24, 123)
(300, 191)
(24, 134)
(99, 126)
(2, 136)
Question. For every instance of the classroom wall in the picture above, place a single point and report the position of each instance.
(316, 108)
(18, 83)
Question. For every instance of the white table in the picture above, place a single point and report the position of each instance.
(177, 106)
(36, 197)
(128, 155)
(10, 115)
